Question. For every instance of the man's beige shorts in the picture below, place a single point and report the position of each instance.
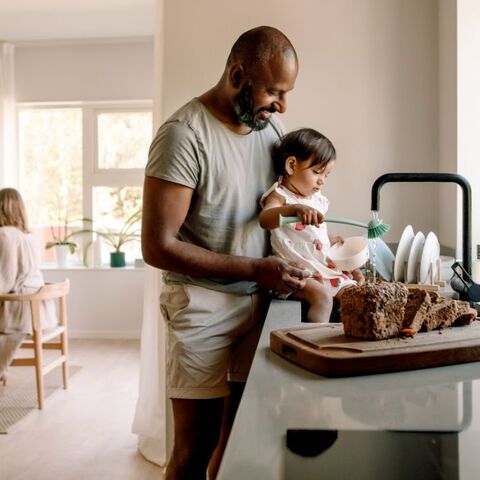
(212, 337)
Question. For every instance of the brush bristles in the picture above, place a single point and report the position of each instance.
(378, 230)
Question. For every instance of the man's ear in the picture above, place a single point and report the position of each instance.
(290, 165)
(237, 75)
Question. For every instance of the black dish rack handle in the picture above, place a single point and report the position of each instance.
(463, 283)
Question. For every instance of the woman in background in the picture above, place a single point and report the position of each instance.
(19, 273)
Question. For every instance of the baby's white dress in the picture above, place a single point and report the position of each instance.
(306, 244)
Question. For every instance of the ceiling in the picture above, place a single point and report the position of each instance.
(31, 20)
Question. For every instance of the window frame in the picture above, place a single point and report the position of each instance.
(92, 176)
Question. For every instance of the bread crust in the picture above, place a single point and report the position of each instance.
(418, 304)
(373, 311)
(377, 311)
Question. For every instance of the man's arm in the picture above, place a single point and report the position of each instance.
(165, 206)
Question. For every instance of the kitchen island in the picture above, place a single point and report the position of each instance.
(280, 395)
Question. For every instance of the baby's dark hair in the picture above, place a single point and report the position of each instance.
(302, 144)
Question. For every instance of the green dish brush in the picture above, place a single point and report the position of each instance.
(376, 228)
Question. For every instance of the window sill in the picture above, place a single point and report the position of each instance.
(90, 269)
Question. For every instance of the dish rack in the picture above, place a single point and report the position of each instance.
(464, 274)
(417, 262)
(432, 283)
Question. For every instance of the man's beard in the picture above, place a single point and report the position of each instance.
(245, 112)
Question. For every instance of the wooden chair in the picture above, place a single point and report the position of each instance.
(39, 339)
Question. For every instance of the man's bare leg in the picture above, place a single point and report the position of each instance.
(197, 425)
(229, 412)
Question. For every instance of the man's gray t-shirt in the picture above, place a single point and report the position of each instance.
(228, 173)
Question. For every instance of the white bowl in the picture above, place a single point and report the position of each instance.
(351, 255)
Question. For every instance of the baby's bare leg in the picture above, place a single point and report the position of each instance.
(338, 296)
(319, 298)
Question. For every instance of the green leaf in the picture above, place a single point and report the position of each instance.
(71, 246)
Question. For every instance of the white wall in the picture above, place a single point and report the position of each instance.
(368, 79)
(459, 77)
(447, 75)
(468, 75)
(88, 71)
(60, 19)
(375, 76)
(103, 303)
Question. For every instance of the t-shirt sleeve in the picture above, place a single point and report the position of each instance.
(277, 126)
(174, 155)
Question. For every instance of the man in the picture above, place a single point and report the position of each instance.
(208, 166)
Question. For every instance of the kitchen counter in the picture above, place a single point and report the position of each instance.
(280, 395)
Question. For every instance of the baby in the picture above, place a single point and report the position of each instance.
(303, 159)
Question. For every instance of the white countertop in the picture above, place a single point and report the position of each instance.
(280, 395)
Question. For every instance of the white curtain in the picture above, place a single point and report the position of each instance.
(150, 422)
(8, 162)
(153, 414)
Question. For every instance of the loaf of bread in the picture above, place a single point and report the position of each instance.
(377, 311)
(466, 314)
(418, 304)
(441, 314)
(373, 311)
(445, 312)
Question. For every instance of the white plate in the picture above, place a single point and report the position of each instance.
(384, 258)
(430, 256)
(414, 257)
(401, 256)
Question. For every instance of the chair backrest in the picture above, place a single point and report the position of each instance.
(50, 291)
(47, 292)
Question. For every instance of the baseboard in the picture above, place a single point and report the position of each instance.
(104, 334)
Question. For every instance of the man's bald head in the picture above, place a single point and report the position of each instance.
(259, 45)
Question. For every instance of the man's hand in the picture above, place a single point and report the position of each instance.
(277, 275)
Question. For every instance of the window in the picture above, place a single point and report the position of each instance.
(121, 139)
(83, 161)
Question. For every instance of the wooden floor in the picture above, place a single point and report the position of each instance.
(83, 432)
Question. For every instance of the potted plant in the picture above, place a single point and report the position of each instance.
(128, 232)
(62, 235)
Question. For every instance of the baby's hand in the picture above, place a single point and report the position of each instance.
(309, 215)
(357, 275)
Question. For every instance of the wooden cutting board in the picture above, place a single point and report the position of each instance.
(324, 349)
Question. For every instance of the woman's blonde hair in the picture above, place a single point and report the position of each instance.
(12, 210)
